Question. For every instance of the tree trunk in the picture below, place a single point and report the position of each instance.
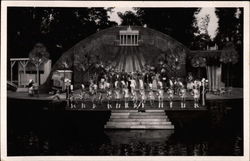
(228, 75)
(37, 75)
(199, 73)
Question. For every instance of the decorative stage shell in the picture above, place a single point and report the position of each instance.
(105, 46)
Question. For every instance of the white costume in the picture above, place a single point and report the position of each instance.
(170, 96)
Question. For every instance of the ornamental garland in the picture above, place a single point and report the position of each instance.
(229, 54)
(198, 62)
(176, 58)
(174, 61)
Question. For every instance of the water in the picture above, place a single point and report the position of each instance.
(35, 131)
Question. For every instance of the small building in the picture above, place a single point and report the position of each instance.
(59, 77)
(26, 71)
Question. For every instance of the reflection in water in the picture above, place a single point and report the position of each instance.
(137, 136)
(138, 142)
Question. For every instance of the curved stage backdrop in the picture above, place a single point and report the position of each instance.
(126, 49)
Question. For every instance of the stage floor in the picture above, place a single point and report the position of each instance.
(237, 93)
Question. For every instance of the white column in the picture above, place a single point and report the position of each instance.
(137, 39)
(131, 40)
(120, 39)
(126, 39)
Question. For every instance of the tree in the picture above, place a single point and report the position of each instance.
(38, 55)
(129, 18)
(201, 38)
(230, 25)
(231, 30)
(57, 28)
(176, 22)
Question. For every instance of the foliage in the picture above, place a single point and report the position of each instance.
(229, 54)
(38, 54)
(176, 22)
(230, 26)
(57, 28)
(129, 18)
(175, 58)
(83, 61)
(198, 61)
(201, 38)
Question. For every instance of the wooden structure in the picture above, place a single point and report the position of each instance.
(26, 71)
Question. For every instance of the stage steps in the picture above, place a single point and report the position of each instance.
(132, 119)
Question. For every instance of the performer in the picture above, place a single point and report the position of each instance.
(164, 80)
(132, 84)
(67, 86)
(109, 95)
(155, 81)
(126, 95)
(117, 84)
(141, 83)
(102, 90)
(196, 95)
(143, 98)
(72, 100)
(182, 94)
(134, 98)
(151, 95)
(31, 87)
(93, 92)
(83, 97)
(171, 82)
(175, 87)
(117, 97)
(179, 85)
(170, 96)
(56, 97)
(203, 91)
(160, 95)
(190, 81)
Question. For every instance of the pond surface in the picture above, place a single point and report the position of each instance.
(34, 131)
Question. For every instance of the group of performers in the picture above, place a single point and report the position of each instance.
(138, 90)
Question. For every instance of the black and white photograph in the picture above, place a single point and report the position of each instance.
(123, 80)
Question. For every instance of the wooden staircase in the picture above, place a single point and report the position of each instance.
(132, 119)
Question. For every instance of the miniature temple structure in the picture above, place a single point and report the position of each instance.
(129, 37)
